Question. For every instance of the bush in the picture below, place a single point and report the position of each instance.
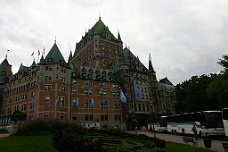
(71, 140)
(39, 128)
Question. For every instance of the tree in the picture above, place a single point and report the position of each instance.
(224, 62)
(153, 115)
(218, 89)
(191, 95)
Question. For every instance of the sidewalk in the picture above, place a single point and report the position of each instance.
(4, 135)
(216, 145)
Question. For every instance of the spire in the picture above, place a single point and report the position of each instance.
(7, 53)
(150, 64)
(70, 56)
(99, 15)
(118, 37)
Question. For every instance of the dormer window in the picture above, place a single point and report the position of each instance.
(90, 70)
(103, 72)
(83, 70)
(50, 59)
(3, 73)
(97, 71)
(61, 61)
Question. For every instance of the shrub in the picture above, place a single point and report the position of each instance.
(37, 128)
(67, 140)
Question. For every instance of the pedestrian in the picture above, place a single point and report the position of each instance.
(194, 129)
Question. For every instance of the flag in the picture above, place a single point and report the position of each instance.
(57, 102)
(92, 102)
(43, 51)
(32, 102)
(32, 54)
(137, 93)
(38, 52)
(107, 101)
(122, 96)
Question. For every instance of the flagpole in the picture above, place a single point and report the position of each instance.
(107, 109)
(107, 115)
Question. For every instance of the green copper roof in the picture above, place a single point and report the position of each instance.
(98, 29)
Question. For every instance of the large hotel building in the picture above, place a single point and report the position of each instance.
(86, 88)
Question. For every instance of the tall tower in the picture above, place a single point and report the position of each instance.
(98, 47)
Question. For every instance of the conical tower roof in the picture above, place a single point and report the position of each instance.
(55, 56)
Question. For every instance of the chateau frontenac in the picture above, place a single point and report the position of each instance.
(102, 85)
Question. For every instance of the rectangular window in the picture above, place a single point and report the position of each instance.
(46, 116)
(88, 83)
(47, 101)
(88, 91)
(116, 104)
(62, 101)
(75, 103)
(16, 108)
(24, 97)
(74, 90)
(102, 93)
(88, 104)
(74, 118)
(117, 117)
(32, 94)
(62, 88)
(88, 117)
(104, 117)
(103, 104)
(102, 84)
(114, 85)
(115, 94)
(23, 107)
(47, 87)
(61, 116)
(9, 110)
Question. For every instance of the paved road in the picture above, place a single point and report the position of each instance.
(216, 145)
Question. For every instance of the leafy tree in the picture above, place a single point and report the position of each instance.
(218, 89)
(192, 96)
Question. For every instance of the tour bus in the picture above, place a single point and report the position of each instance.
(160, 124)
(208, 123)
(225, 120)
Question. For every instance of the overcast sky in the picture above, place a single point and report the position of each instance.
(185, 37)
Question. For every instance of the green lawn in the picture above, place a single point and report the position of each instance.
(27, 144)
(45, 144)
(175, 147)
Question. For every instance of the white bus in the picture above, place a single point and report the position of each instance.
(225, 120)
(208, 123)
(160, 124)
